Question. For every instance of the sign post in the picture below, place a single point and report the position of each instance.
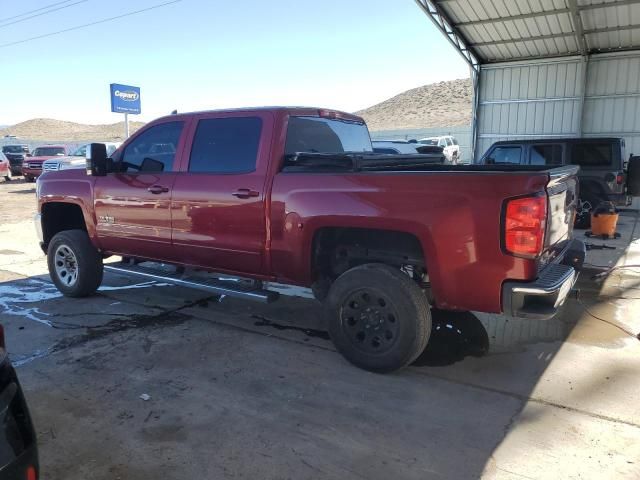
(125, 99)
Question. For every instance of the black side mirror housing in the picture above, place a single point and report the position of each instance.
(97, 164)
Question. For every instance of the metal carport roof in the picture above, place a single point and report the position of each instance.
(488, 31)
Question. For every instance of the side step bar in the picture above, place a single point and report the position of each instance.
(238, 289)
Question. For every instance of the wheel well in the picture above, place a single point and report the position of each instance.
(57, 217)
(336, 250)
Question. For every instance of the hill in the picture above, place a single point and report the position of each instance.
(435, 105)
(50, 129)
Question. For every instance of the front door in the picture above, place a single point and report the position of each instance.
(218, 204)
(132, 205)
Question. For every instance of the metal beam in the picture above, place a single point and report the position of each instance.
(520, 40)
(578, 27)
(442, 22)
(544, 13)
(553, 35)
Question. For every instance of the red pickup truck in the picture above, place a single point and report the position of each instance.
(297, 196)
(32, 165)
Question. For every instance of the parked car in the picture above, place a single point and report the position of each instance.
(76, 160)
(32, 167)
(394, 147)
(16, 155)
(602, 162)
(18, 448)
(5, 168)
(297, 196)
(449, 145)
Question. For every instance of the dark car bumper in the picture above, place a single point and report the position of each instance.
(31, 172)
(16, 165)
(542, 298)
(18, 449)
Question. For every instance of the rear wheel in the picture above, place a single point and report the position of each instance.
(378, 317)
(75, 266)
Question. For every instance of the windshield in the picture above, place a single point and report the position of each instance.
(323, 135)
(48, 151)
(14, 149)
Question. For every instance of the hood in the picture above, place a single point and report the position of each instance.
(65, 158)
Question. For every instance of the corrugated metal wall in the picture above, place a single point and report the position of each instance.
(544, 99)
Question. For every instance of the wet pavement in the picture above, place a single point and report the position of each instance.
(244, 390)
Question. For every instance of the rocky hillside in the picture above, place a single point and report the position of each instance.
(49, 129)
(435, 105)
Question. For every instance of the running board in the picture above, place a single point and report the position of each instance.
(239, 289)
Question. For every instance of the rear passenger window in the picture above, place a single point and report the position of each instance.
(154, 150)
(546, 155)
(501, 155)
(226, 145)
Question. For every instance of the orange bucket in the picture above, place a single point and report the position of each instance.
(604, 224)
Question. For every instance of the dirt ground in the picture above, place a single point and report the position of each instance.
(242, 390)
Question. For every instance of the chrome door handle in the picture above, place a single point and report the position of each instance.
(157, 189)
(245, 193)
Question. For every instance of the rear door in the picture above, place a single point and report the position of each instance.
(132, 206)
(219, 198)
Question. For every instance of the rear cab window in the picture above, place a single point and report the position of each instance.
(326, 135)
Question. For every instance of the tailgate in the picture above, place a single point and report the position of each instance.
(562, 190)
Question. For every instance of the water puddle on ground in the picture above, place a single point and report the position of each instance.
(605, 333)
(454, 336)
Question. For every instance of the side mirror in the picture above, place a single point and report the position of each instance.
(633, 177)
(97, 160)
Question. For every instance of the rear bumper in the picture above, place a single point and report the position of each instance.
(619, 200)
(542, 298)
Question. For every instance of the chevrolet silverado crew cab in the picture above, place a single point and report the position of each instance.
(297, 196)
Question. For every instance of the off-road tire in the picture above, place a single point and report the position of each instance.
(88, 261)
(378, 317)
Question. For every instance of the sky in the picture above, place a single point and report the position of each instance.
(206, 54)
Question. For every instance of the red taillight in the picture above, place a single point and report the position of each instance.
(524, 226)
(31, 473)
(620, 179)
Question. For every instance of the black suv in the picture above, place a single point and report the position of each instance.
(16, 155)
(603, 171)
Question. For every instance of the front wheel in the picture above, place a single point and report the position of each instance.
(75, 266)
(379, 319)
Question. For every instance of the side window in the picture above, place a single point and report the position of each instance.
(226, 145)
(449, 142)
(154, 150)
(506, 154)
(546, 155)
(442, 143)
